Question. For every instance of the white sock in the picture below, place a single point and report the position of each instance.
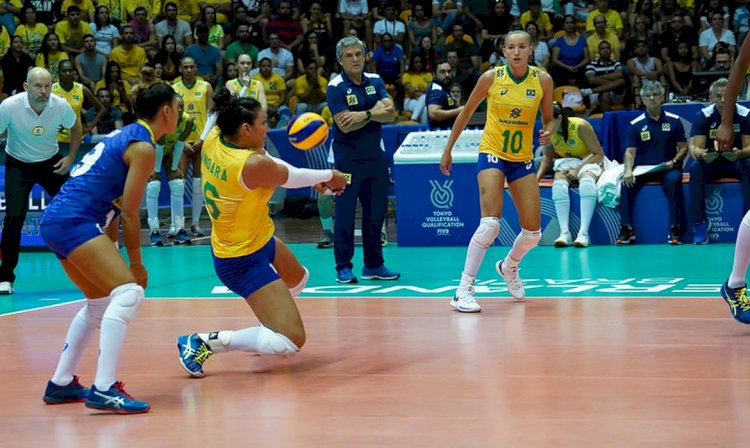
(587, 190)
(112, 335)
(152, 203)
(217, 341)
(177, 202)
(197, 203)
(245, 340)
(561, 198)
(79, 334)
(741, 254)
(524, 242)
(467, 280)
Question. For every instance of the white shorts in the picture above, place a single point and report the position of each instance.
(569, 163)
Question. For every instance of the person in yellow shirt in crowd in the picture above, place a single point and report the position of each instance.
(243, 85)
(75, 94)
(614, 20)
(71, 31)
(31, 32)
(153, 8)
(416, 81)
(541, 18)
(50, 55)
(188, 10)
(276, 94)
(130, 57)
(86, 8)
(118, 89)
(310, 89)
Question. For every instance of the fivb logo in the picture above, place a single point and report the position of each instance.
(441, 196)
(714, 201)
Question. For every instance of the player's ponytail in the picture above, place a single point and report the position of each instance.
(152, 98)
(232, 111)
(557, 111)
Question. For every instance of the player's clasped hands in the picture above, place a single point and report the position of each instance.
(335, 186)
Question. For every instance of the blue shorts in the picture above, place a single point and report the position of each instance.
(64, 237)
(512, 170)
(246, 274)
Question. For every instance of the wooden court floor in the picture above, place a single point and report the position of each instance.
(580, 366)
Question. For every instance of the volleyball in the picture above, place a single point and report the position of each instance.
(307, 131)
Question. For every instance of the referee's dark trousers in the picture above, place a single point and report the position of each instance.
(370, 185)
(20, 177)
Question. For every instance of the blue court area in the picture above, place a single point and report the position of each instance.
(638, 271)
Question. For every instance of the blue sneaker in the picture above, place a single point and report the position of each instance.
(379, 273)
(700, 232)
(193, 353)
(155, 238)
(736, 298)
(345, 275)
(182, 238)
(115, 400)
(72, 393)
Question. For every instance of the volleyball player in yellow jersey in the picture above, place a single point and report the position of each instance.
(514, 93)
(198, 97)
(576, 156)
(239, 178)
(169, 151)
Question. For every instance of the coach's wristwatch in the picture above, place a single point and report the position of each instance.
(368, 114)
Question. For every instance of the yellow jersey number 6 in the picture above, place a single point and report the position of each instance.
(515, 141)
(210, 194)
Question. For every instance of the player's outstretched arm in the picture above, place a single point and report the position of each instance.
(266, 171)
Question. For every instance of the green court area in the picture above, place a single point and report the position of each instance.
(647, 271)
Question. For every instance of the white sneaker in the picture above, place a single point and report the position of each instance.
(6, 288)
(464, 300)
(586, 92)
(564, 240)
(512, 281)
(582, 240)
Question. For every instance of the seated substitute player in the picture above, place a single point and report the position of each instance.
(576, 156)
(238, 179)
(168, 153)
(108, 181)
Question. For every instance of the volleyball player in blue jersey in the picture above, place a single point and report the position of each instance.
(108, 182)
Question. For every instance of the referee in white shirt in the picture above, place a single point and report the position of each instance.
(32, 119)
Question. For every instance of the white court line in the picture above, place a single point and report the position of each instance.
(41, 307)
